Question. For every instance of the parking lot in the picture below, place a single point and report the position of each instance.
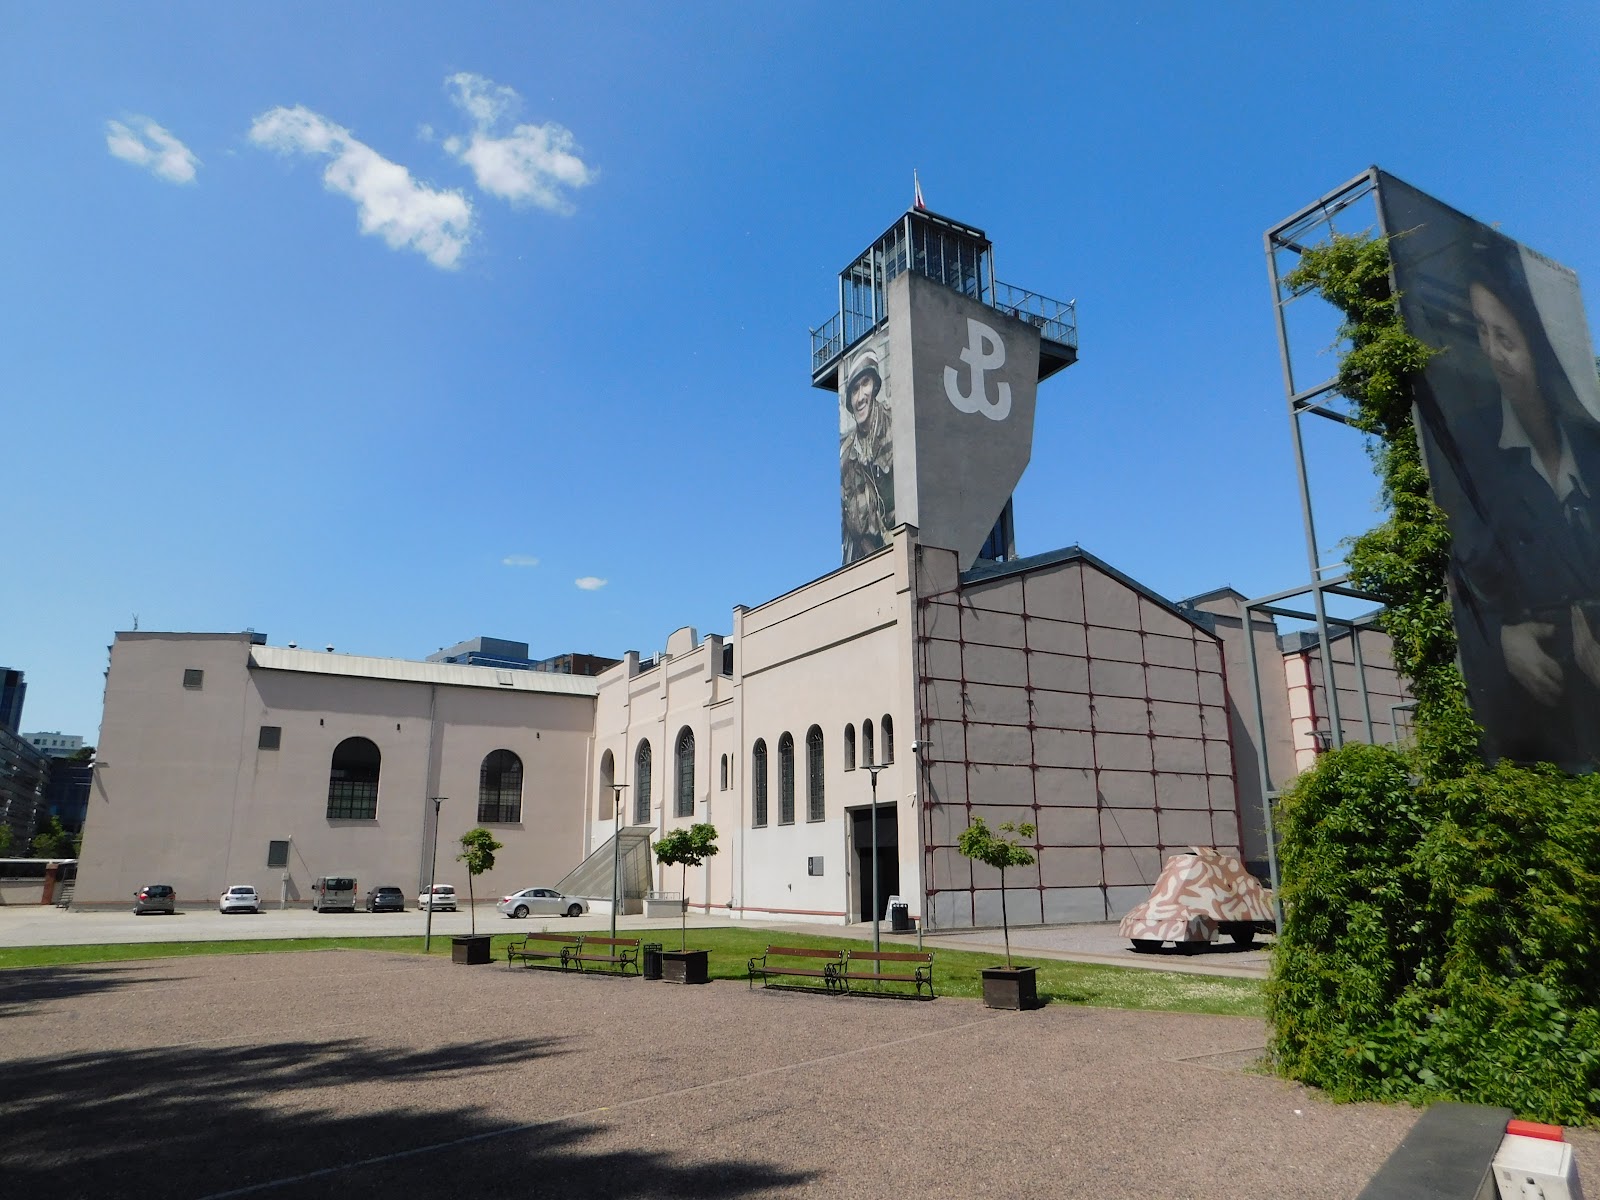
(357, 1073)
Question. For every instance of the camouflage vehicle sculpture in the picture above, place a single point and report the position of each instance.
(1197, 896)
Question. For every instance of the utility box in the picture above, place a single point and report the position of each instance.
(1530, 1168)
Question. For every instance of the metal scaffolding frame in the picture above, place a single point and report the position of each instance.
(1288, 240)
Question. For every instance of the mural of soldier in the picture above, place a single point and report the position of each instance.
(866, 456)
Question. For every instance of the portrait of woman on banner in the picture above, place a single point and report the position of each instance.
(1514, 456)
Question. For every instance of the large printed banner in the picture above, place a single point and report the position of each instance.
(866, 447)
(1509, 417)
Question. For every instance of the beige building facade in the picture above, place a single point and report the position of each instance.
(219, 754)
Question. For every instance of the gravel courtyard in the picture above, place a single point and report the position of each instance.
(351, 1073)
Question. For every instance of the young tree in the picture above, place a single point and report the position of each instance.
(978, 842)
(53, 841)
(687, 848)
(477, 852)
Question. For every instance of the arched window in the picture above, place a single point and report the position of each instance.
(724, 772)
(758, 784)
(353, 781)
(886, 736)
(608, 775)
(816, 810)
(866, 745)
(685, 802)
(500, 787)
(641, 785)
(849, 747)
(786, 780)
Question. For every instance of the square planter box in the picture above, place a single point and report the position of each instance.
(1010, 987)
(471, 951)
(686, 966)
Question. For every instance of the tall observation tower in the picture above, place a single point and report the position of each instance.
(936, 365)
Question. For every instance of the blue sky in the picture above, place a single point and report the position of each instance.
(382, 326)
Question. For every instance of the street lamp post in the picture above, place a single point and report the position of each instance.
(877, 902)
(433, 872)
(616, 853)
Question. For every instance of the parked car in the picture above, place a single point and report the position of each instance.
(329, 892)
(386, 899)
(442, 898)
(545, 902)
(241, 897)
(156, 897)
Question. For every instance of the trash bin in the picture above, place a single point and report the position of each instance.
(900, 918)
(652, 960)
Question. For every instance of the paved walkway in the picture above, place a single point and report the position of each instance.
(356, 1073)
(44, 925)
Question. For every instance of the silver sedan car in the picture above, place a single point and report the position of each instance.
(542, 902)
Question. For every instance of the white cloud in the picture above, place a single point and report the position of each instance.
(389, 202)
(590, 584)
(146, 144)
(519, 560)
(533, 164)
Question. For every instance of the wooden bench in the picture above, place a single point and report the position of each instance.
(826, 965)
(618, 953)
(867, 965)
(532, 946)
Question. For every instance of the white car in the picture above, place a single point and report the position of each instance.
(441, 899)
(239, 898)
(544, 902)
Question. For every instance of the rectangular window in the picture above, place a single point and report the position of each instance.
(193, 678)
(277, 855)
(271, 737)
(814, 866)
(352, 799)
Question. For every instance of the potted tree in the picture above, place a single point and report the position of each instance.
(477, 853)
(686, 848)
(1007, 986)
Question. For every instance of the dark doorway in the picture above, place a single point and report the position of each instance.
(888, 858)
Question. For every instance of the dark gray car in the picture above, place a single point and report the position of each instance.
(156, 897)
(386, 899)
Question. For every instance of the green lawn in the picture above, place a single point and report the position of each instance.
(956, 973)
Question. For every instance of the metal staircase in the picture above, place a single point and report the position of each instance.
(591, 878)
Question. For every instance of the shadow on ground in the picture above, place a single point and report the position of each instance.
(337, 1118)
(1195, 949)
(23, 989)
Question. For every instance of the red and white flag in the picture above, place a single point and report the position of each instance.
(916, 185)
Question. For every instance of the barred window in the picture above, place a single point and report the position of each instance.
(816, 810)
(685, 794)
(786, 780)
(193, 677)
(886, 736)
(353, 780)
(849, 747)
(641, 785)
(758, 784)
(500, 787)
(866, 745)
